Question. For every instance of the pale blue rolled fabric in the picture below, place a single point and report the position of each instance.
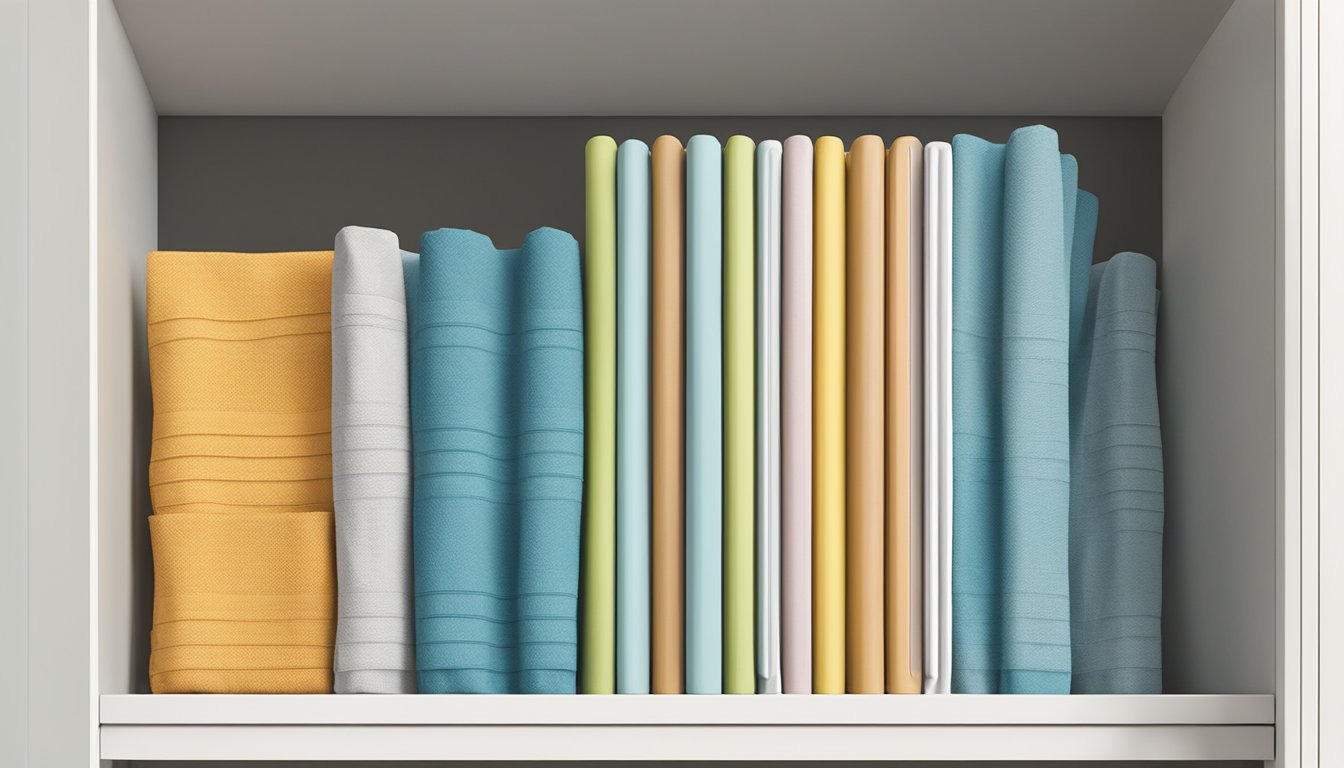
(1116, 517)
(704, 415)
(1014, 209)
(497, 433)
(633, 447)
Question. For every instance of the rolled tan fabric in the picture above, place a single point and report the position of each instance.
(240, 472)
(905, 417)
(669, 160)
(864, 416)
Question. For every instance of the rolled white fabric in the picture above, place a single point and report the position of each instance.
(371, 465)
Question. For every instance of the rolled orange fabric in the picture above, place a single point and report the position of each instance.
(240, 472)
(668, 414)
(865, 279)
(905, 417)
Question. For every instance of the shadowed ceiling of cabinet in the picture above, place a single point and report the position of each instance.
(641, 57)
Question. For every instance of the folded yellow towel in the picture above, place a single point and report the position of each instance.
(240, 472)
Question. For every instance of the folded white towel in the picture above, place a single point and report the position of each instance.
(371, 465)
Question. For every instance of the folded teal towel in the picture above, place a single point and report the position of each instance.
(497, 432)
(1014, 233)
(1115, 554)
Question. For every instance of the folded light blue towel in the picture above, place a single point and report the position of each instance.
(1015, 207)
(497, 433)
(1115, 554)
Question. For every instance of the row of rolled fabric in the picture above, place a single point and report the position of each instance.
(865, 421)
(799, 420)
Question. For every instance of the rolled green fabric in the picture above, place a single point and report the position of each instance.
(739, 434)
(599, 369)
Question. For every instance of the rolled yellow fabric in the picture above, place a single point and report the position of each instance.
(828, 417)
(240, 472)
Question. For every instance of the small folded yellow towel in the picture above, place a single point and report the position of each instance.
(240, 472)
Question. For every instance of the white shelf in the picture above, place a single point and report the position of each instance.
(184, 727)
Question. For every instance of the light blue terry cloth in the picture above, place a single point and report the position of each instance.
(1116, 515)
(633, 447)
(1012, 275)
(497, 425)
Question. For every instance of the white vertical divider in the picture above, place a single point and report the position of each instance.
(14, 381)
(1330, 511)
(1289, 330)
(127, 228)
(1217, 361)
(62, 119)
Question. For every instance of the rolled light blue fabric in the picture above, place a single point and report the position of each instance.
(633, 493)
(371, 465)
(704, 415)
(1116, 519)
(1012, 273)
(497, 417)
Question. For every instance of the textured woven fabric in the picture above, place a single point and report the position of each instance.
(497, 418)
(1116, 516)
(632, 418)
(371, 465)
(704, 415)
(240, 472)
(1013, 236)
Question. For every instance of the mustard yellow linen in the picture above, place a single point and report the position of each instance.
(240, 472)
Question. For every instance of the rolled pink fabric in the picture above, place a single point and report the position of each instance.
(796, 413)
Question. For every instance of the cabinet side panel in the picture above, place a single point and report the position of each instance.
(1216, 362)
(61, 115)
(1326, 644)
(127, 229)
(14, 381)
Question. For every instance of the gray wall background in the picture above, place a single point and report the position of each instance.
(289, 183)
